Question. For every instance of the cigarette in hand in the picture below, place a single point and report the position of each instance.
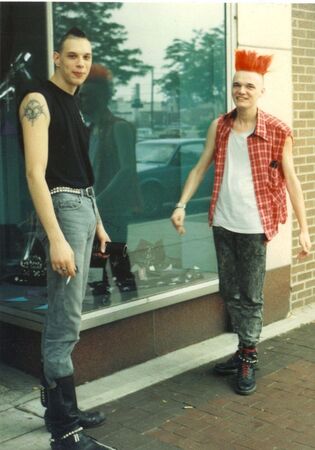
(69, 277)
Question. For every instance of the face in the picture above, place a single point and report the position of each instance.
(74, 61)
(247, 88)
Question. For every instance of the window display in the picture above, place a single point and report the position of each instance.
(150, 97)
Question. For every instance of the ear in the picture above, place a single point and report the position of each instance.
(56, 57)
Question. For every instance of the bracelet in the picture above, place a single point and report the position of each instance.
(180, 205)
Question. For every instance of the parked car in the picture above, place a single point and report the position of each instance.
(144, 133)
(163, 166)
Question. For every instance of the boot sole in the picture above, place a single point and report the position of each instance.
(89, 427)
(248, 392)
(48, 426)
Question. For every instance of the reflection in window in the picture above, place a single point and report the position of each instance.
(23, 55)
(154, 152)
(166, 86)
(164, 82)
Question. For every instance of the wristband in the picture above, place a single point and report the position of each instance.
(180, 205)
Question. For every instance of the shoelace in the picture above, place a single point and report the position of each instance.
(248, 361)
(245, 369)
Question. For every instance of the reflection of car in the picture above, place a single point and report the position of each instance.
(163, 166)
(144, 133)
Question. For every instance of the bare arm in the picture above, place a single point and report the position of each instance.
(35, 118)
(195, 177)
(296, 197)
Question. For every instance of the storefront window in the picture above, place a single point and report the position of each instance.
(163, 84)
(159, 81)
(23, 60)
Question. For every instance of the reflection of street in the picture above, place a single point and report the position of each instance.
(163, 166)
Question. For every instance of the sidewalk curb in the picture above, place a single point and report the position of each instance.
(128, 381)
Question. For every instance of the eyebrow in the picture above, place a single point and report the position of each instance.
(71, 52)
(237, 83)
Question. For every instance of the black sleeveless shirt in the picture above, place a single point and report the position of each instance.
(68, 145)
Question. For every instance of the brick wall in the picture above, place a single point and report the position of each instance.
(303, 71)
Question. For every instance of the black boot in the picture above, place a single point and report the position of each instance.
(102, 293)
(230, 366)
(245, 381)
(86, 419)
(67, 434)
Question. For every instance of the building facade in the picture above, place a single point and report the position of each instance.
(170, 69)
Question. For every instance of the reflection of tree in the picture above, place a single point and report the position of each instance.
(106, 36)
(195, 69)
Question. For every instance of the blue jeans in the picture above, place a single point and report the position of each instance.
(76, 215)
(242, 267)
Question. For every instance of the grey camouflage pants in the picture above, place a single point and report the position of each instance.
(242, 266)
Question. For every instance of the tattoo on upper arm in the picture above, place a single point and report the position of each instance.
(33, 110)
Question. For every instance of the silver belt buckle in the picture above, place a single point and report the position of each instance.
(89, 191)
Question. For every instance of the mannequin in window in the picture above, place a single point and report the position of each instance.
(112, 153)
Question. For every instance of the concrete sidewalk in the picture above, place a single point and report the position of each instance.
(176, 402)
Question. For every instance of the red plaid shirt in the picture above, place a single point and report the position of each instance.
(265, 148)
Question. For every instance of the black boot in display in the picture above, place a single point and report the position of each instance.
(86, 419)
(67, 434)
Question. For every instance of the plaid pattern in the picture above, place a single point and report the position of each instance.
(265, 148)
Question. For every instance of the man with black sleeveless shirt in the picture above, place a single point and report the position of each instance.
(60, 179)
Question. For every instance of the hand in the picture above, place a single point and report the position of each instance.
(305, 243)
(62, 258)
(177, 219)
(102, 237)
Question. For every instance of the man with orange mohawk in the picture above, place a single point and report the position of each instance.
(252, 153)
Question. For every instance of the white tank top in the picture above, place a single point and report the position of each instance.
(236, 208)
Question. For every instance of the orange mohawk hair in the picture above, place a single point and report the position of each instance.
(248, 60)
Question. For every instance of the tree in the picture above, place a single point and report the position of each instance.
(195, 69)
(107, 37)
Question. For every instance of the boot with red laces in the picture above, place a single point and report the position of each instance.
(245, 380)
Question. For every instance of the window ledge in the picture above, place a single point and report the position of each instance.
(122, 311)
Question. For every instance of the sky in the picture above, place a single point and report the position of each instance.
(153, 26)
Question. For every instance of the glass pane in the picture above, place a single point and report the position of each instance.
(158, 84)
(23, 59)
(164, 84)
